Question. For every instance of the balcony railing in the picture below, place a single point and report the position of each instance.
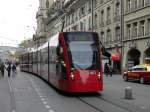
(134, 36)
(133, 8)
(140, 34)
(140, 6)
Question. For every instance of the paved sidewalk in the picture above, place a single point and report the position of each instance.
(5, 98)
(18, 94)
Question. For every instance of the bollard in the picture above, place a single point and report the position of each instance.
(128, 93)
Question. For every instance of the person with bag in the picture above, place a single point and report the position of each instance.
(106, 69)
(2, 68)
(110, 70)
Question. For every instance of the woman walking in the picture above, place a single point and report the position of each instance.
(14, 70)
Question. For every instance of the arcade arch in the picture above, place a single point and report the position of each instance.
(133, 57)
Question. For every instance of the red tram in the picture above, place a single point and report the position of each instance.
(70, 61)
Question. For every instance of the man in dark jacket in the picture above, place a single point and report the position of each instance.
(106, 69)
(9, 69)
(2, 68)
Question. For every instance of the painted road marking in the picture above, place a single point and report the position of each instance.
(42, 97)
(45, 102)
(47, 106)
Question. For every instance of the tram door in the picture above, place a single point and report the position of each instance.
(60, 66)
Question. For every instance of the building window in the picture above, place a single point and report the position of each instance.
(147, 2)
(142, 28)
(81, 26)
(108, 36)
(108, 13)
(82, 11)
(73, 18)
(102, 37)
(47, 4)
(89, 7)
(102, 17)
(128, 5)
(118, 34)
(142, 3)
(128, 31)
(135, 4)
(84, 25)
(117, 9)
(95, 20)
(89, 23)
(76, 15)
(135, 30)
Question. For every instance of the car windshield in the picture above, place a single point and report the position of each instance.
(138, 68)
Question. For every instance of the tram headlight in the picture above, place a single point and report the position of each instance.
(99, 75)
(72, 76)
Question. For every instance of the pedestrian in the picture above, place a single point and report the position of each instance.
(2, 68)
(14, 70)
(9, 69)
(110, 70)
(106, 69)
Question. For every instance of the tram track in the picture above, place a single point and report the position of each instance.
(90, 105)
(100, 103)
(122, 104)
(102, 108)
(116, 104)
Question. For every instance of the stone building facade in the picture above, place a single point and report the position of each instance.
(136, 41)
(41, 34)
(107, 22)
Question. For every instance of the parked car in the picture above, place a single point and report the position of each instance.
(138, 72)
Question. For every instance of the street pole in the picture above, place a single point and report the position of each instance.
(122, 34)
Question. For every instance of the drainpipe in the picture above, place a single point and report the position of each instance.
(92, 13)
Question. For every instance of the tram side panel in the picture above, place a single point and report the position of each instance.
(31, 62)
(21, 62)
(35, 60)
(52, 67)
(44, 63)
(39, 63)
(26, 60)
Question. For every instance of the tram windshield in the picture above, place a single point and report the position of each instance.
(83, 50)
(83, 55)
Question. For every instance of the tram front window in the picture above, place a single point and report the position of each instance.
(83, 55)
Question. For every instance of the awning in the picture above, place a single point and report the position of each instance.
(115, 56)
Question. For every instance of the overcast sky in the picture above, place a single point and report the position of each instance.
(17, 20)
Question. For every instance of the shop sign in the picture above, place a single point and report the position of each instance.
(148, 43)
(132, 44)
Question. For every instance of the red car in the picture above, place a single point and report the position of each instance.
(137, 72)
